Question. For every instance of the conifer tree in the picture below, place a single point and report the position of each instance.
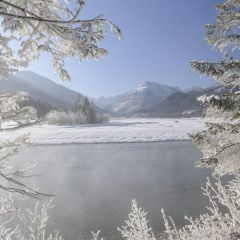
(220, 142)
(89, 111)
(78, 104)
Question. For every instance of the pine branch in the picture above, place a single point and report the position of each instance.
(226, 72)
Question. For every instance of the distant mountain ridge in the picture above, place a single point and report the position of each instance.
(182, 104)
(151, 99)
(40, 88)
(148, 99)
(146, 96)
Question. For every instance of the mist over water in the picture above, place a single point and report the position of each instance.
(95, 183)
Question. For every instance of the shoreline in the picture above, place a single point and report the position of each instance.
(107, 143)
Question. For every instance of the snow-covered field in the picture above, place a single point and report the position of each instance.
(115, 131)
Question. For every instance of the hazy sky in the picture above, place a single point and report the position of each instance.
(160, 38)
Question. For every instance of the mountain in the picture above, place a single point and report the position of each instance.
(149, 99)
(181, 104)
(196, 89)
(106, 102)
(184, 104)
(146, 96)
(154, 100)
(40, 88)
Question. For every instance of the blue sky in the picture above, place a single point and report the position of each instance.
(160, 38)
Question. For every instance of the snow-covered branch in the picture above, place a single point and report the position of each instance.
(54, 27)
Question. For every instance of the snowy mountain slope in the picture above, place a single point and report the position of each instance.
(183, 104)
(106, 102)
(154, 100)
(146, 96)
(40, 88)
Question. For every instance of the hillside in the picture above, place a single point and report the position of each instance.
(40, 88)
(148, 99)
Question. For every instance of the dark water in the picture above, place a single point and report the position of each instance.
(95, 183)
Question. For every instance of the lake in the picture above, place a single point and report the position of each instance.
(95, 183)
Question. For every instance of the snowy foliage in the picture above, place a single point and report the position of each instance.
(31, 223)
(223, 36)
(12, 117)
(137, 225)
(220, 143)
(11, 110)
(52, 26)
(16, 223)
(34, 27)
(73, 118)
(82, 113)
(65, 118)
(220, 222)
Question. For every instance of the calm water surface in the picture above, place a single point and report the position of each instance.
(95, 183)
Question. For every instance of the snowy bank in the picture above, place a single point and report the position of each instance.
(115, 131)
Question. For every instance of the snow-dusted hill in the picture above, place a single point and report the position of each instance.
(146, 96)
(39, 88)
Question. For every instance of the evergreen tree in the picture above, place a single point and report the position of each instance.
(42, 108)
(86, 105)
(220, 142)
(89, 111)
(78, 104)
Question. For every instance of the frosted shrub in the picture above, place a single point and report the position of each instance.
(220, 222)
(31, 223)
(17, 223)
(101, 118)
(137, 225)
(72, 118)
(63, 118)
(215, 224)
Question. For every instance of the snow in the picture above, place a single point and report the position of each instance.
(115, 131)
